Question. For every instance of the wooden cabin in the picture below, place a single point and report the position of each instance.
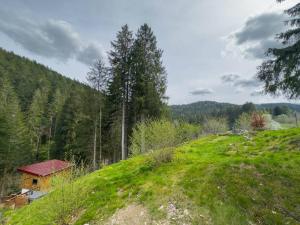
(37, 177)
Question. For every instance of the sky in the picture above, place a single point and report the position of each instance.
(211, 47)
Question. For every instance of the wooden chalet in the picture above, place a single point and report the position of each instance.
(35, 182)
(38, 176)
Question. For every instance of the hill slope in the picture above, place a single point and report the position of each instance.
(222, 180)
(41, 112)
(26, 76)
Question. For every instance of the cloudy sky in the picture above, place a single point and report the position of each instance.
(211, 47)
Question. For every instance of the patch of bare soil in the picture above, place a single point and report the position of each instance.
(136, 214)
(133, 214)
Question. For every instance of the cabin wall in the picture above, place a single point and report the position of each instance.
(43, 183)
(27, 182)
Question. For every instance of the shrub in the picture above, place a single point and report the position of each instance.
(151, 135)
(215, 126)
(66, 199)
(243, 122)
(258, 121)
(159, 134)
(270, 123)
(186, 132)
(156, 158)
(289, 120)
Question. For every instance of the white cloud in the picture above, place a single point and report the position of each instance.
(256, 93)
(51, 39)
(256, 36)
(230, 78)
(202, 91)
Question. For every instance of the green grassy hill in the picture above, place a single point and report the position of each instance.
(226, 179)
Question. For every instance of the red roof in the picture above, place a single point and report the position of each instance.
(45, 168)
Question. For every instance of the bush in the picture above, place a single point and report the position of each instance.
(287, 120)
(68, 196)
(258, 121)
(215, 126)
(243, 122)
(156, 158)
(270, 123)
(159, 134)
(186, 132)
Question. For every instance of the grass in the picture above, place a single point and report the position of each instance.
(221, 180)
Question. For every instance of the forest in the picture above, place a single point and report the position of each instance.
(44, 115)
(199, 112)
(124, 154)
(122, 109)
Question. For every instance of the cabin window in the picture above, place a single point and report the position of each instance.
(34, 181)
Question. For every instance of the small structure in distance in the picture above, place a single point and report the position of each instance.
(37, 177)
(36, 181)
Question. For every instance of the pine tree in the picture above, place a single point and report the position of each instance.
(37, 119)
(66, 127)
(55, 108)
(148, 76)
(14, 142)
(119, 87)
(98, 78)
(281, 73)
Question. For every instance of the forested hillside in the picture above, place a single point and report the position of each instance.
(44, 115)
(198, 112)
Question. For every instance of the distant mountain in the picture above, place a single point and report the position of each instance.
(198, 111)
(294, 107)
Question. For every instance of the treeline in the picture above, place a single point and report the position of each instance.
(200, 112)
(44, 115)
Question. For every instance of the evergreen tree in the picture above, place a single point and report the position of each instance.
(98, 78)
(14, 142)
(119, 87)
(74, 131)
(281, 73)
(55, 108)
(66, 127)
(248, 107)
(37, 120)
(148, 76)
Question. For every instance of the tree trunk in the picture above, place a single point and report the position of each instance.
(50, 129)
(123, 131)
(50, 136)
(2, 183)
(95, 147)
(37, 147)
(100, 136)
(55, 125)
(143, 150)
(126, 116)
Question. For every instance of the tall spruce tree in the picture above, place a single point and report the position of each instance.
(14, 140)
(37, 119)
(98, 78)
(66, 134)
(119, 87)
(55, 108)
(281, 73)
(148, 76)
